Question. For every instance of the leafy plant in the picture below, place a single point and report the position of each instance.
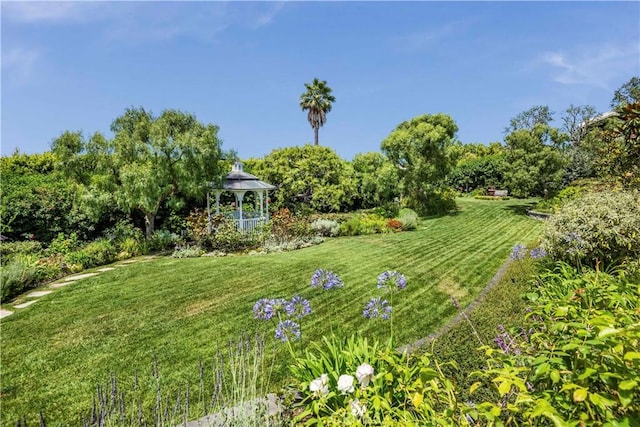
(596, 228)
(326, 227)
(408, 218)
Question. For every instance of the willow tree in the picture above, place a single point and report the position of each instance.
(317, 99)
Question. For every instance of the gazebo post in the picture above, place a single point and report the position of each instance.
(267, 206)
(239, 197)
(208, 214)
(261, 194)
(218, 202)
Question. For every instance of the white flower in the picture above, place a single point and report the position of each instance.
(345, 384)
(320, 386)
(358, 409)
(364, 374)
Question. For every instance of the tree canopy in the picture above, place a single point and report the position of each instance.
(628, 93)
(419, 150)
(149, 162)
(317, 99)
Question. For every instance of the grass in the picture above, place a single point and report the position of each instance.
(179, 310)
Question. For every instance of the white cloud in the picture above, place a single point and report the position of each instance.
(19, 64)
(50, 11)
(597, 66)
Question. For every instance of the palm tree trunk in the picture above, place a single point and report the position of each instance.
(315, 131)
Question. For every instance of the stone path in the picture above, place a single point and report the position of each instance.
(4, 312)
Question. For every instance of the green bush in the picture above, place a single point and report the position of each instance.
(597, 227)
(131, 247)
(27, 247)
(578, 361)
(161, 240)
(18, 275)
(363, 224)
(99, 252)
(188, 252)
(408, 218)
(387, 210)
(354, 382)
(492, 197)
(63, 244)
(565, 195)
(326, 227)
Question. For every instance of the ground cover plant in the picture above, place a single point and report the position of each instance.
(178, 310)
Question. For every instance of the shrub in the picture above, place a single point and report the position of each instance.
(9, 249)
(286, 226)
(99, 252)
(188, 252)
(387, 210)
(21, 273)
(363, 224)
(394, 224)
(408, 218)
(492, 197)
(162, 240)
(354, 382)
(577, 362)
(63, 244)
(565, 195)
(326, 227)
(131, 247)
(597, 227)
(123, 230)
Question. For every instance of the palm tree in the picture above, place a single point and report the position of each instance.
(317, 99)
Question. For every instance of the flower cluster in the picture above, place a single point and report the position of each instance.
(325, 279)
(377, 307)
(286, 330)
(519, 251)
(319, 387)
(392, 280)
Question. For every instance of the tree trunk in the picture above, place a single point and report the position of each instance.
(149, 222)
(315, 131)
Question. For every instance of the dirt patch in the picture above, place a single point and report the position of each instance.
(198, 308)
(450, 287)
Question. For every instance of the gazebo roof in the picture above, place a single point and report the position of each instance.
(239, 180)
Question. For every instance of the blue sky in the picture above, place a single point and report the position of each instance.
(243, 65)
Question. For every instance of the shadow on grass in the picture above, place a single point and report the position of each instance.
(520, 209)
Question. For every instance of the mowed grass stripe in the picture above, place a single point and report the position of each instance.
(179, 310)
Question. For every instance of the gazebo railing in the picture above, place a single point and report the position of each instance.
(249, 224)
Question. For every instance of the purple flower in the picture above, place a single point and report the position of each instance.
(377, 307)
(518, 252)
(288, 330)
(392, 280)
(263, 309)
(455, 303)
(325, 279)
(538, 252)
(298, 307)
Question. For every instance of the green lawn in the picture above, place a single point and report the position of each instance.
(178, 310)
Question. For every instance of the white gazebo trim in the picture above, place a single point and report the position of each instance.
(239, 183)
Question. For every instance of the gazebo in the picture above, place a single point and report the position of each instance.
(239, 183)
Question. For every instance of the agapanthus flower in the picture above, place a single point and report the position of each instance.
(288, 330)
(392, 280)
(518, 252)
(325, 279)
(298, 307)
(538, 252)
(364, 374)
(345, 384)
(320, 386)
(377, 307)
(263, 309)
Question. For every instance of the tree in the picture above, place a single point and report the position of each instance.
(317, 100)
(151, 161)
(537, 115)
(576, 122)
(628, 93)
(376, 180)
(419, 150)
(534, 166)
(307, 177)
(619, 155)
